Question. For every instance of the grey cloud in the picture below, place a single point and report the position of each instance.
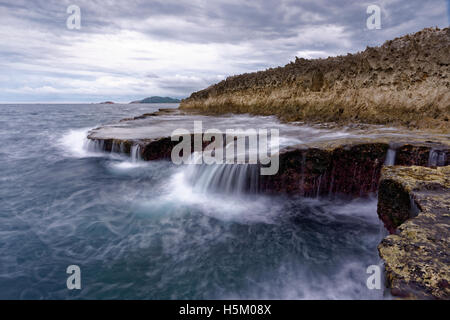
(270, 32)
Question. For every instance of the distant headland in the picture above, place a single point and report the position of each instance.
(156, 99)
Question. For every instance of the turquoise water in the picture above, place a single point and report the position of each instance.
(138, 231)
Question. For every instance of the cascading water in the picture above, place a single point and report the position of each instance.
(241, 177)
(140, 231)
(98, 146)
(94, 145)
(437, 158)
(117, 147)
(413, 208)
(135, 153)
(224, 178)
(227, 178)
(390, 157)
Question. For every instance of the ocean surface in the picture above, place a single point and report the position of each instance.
(140, 231)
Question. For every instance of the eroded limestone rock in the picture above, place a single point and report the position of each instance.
(414, 203)
(403, 82)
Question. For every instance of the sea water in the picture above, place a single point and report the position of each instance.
(151, 230)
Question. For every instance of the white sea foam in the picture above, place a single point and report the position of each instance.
(180, 192)
(74, 143)
(127, 165)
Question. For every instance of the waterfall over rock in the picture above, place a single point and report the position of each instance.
(224, 178)
(390, 157)
(437, 158)
(94, 145)
(111, 146)
(135, 153)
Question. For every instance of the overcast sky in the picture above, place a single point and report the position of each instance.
(131, 49)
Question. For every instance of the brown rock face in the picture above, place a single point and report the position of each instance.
(351, 170)
(403, 82)
(409, 155)
(158, 149)
(414, 202)
(395, 205)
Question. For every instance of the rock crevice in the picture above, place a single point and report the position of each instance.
(414, 203)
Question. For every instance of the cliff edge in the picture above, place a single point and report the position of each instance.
(404, 82)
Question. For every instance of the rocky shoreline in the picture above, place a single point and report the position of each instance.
(414, 203)
(404, 82)
(354, 167)
(350, 168)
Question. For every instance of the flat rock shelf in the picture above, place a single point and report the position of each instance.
(414, 202)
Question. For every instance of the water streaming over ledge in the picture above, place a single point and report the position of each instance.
(437, 158)
(390, 157)
(135, 153)
(225, 178)
(150, 230)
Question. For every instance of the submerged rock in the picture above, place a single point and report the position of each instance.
(414, 204)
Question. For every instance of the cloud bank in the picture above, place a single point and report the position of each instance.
(126, 50)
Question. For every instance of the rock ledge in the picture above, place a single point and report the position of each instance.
(414, 203)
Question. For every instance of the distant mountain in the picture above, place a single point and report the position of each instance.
(156, 99)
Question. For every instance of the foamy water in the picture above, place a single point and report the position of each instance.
(151, 230)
